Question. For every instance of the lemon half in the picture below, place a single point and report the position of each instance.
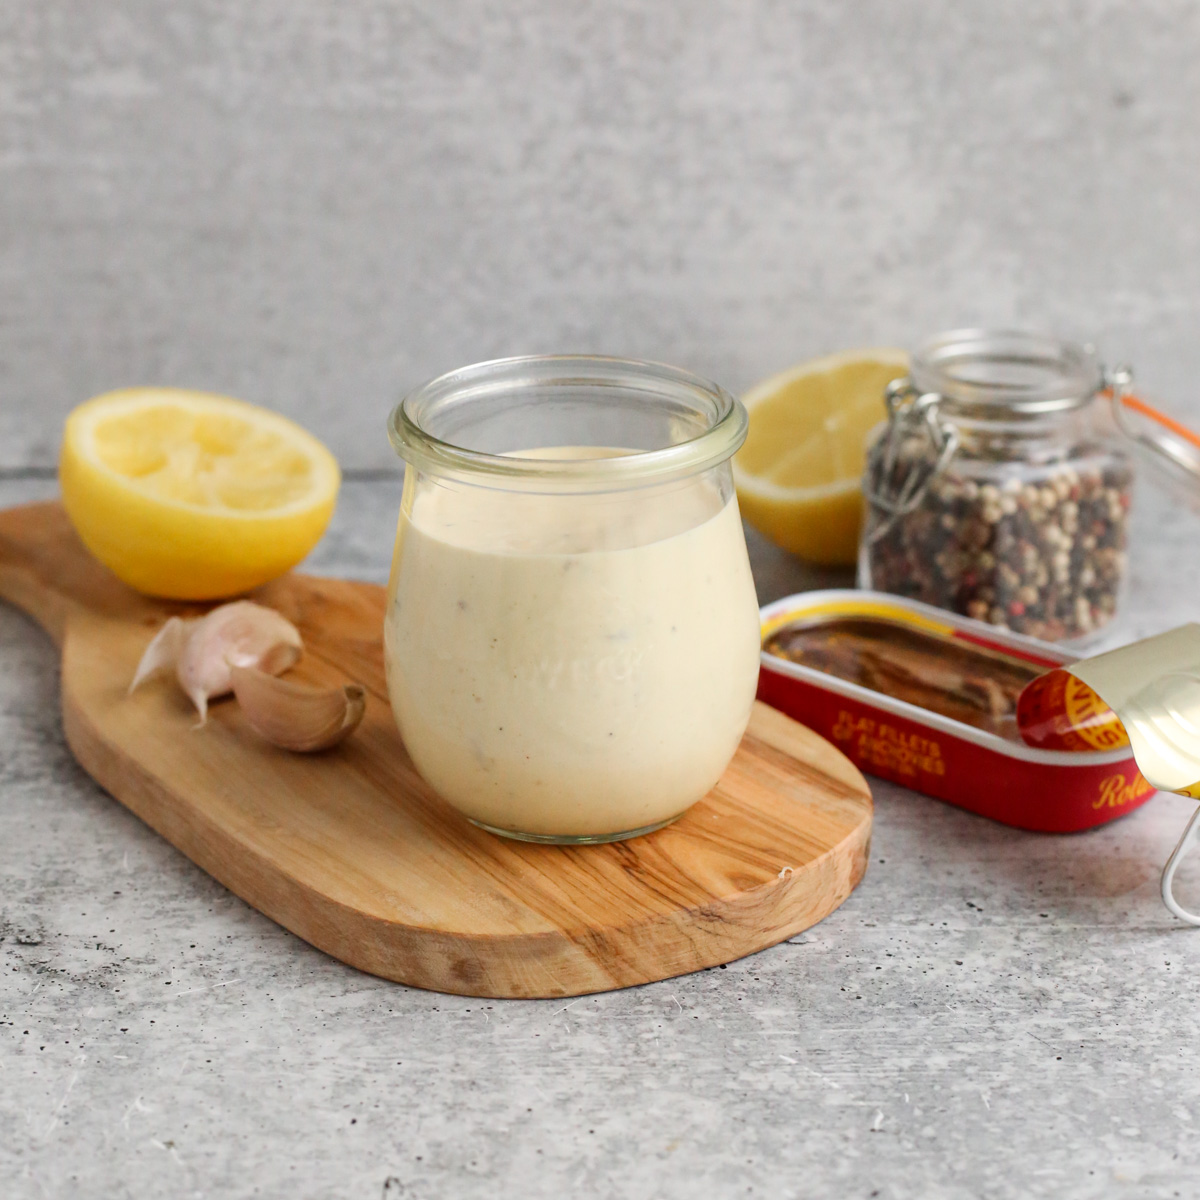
(799, 474)
(193, 496)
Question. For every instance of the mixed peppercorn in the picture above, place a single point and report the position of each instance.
(1038, 550)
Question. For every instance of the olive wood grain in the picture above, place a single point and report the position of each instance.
(352, 852)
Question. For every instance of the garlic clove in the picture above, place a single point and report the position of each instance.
(241, 634)
(163, 652)
(203, 651)
(293, 716)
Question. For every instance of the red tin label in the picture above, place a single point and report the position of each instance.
(1049, 797)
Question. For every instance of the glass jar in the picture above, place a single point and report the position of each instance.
(998, 489)
(571, 635)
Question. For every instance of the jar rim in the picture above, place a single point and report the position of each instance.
(726, 431)
(999, 371)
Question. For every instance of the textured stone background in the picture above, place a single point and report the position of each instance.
(316, 206)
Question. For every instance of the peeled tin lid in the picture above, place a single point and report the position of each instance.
(1153, 688)
(1007, 370)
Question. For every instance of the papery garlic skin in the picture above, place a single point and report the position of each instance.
(163, 652)
(241, 634)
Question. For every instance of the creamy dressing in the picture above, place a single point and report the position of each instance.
(571, 666)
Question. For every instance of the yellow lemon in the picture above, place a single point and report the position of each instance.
(799, 475)
(193, 496)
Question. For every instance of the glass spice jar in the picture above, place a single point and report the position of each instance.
(998, 489)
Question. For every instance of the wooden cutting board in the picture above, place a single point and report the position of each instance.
(352, 852)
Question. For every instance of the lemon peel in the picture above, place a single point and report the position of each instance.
(193, 496)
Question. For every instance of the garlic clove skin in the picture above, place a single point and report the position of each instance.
(295, 717)
(241, 634)
(163, 652)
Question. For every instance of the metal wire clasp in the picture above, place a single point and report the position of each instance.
(898, 473)
(1156, 432)
(1118, 384)
(1168, 876)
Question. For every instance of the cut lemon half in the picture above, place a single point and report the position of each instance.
(193, 496)
(799, 474)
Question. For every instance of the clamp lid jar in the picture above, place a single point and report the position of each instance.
(998, 489)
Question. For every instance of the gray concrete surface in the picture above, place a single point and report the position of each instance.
(316, 206)
(992, 1014)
